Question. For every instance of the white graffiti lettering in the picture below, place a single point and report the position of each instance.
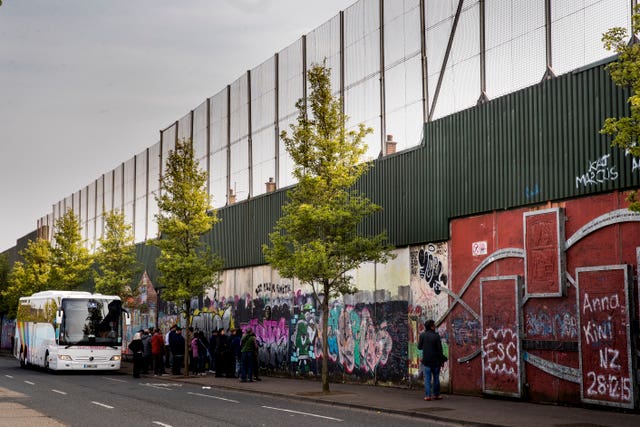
(273, 288)
(635, 164)
(608, 358)
(605, 303)
(501, 352)
(595, 332)
(599, 172)
(611, 386)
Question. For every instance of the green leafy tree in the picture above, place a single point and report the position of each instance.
(116, 262)
(316, 239)
(32, 275)
(625, 72)
(186, 264)
(71, 261)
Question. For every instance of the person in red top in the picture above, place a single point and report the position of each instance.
(157, 352)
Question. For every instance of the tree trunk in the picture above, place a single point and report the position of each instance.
(325, 339)
(186, 337)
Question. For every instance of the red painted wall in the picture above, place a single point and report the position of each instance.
(548, 322)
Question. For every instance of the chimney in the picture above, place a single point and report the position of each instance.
(271, 185)
(390, 145)
(232, 197)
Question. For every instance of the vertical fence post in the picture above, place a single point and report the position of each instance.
(383, 126)
(549, 73)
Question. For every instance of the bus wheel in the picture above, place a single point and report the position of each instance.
(46, 360)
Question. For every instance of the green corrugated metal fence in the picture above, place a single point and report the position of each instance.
(524, 148)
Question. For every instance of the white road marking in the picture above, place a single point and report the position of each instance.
(57, 391)
(9, 376)
(302, 413)
(213, 397)
(162, 424)
(157, 387)
(113, 379)
(102, 404)
(29, 382)
(161, 386)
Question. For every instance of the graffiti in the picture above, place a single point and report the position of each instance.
(612, 387)
(363, 340)
(501, 352)
(605, 303)
(544, 324)
(222, 318)
(534, 191)
(304, 334)
(567, 325)
(273, 289)
(431, 269)
(606, 364)
(166, 322)
(272, 337)
(8, 329)
(354, 340)
(348, 344)
(595, 332)
(539, 324)
(635, 164)
(599, 172)
(465, 331)
(609, 358)
(416, 327)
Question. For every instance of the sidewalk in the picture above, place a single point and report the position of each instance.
(462, 410)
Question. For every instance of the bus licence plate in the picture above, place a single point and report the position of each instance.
(90, 366)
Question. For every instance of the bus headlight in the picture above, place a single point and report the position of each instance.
(116, 357)
(64, 357)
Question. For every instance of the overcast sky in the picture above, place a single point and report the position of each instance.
(88, 84)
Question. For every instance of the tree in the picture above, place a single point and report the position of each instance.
(187, 266)
(625, 72)
(116, 261)
(28, 277)
(316, 240)
(71, 261)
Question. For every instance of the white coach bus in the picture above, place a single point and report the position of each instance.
(68, 330)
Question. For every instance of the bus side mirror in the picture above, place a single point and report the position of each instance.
(59, 317)
(127, 318)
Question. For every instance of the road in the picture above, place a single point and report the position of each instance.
(108, 399)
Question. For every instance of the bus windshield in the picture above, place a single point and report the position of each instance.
(91, 322)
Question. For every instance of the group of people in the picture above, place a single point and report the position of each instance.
(234, 356)
(228, 354)
(148, 351)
